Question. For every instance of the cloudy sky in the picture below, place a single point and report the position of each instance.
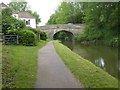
(43, 7)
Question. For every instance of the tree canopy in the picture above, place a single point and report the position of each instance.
(22, 5)
(9, 22)
(18, 5)
(100, 19)
(67, 12)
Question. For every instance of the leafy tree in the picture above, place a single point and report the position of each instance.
(101, 19)
(101, 22)
(67, 12)
(22, 5)
(18, 5)
(9, 22)
(52, 19)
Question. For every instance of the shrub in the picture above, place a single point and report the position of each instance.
(12, 32)
(27, 37)
(114, 42)
(39, 32)
(90, 36)
(82, 37)
(43, 35)
(32, 29)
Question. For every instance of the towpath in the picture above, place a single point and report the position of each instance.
(52, 72)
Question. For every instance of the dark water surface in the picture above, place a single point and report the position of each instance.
(102, 56)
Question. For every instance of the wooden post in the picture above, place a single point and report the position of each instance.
(17, 40)
(4, 39)
(39, 36)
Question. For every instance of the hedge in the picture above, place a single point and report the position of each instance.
(27, 38)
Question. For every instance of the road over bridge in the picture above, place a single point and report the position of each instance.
(74, 29)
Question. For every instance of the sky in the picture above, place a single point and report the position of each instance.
(45, 8)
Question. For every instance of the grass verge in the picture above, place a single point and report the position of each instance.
(19, 65)
(87, 73)
(0, 66)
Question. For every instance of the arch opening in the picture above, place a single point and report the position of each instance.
(63, 36)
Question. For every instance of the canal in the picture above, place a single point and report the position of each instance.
(102, 56)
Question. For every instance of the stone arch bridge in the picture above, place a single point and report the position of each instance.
(74, 29)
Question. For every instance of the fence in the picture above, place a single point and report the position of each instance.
(1, 38)
(11, 39)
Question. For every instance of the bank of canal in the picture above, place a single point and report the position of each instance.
(102, 56)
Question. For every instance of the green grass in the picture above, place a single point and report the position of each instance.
(0, 66)
(19, 65)
(87, 73)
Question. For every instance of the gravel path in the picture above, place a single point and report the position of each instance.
(52, 73)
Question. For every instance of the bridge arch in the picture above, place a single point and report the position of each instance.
(51, 30)
(63, 35)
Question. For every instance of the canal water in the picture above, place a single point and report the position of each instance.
(102, 56)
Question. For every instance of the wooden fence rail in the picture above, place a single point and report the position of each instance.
(11, 39)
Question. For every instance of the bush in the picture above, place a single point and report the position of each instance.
(12, 32)
(32, 29)
(114, 42)
(27, 37)
(82, 37)
(43, 35)
(90, 36)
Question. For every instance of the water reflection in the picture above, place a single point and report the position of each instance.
(102, 56)
(119, 66)
(119, 69)
(100, 62)
(69, 45)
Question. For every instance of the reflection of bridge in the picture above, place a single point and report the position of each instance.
(75, 29)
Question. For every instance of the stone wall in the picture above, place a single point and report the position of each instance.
(75, 29)
(63, 26)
